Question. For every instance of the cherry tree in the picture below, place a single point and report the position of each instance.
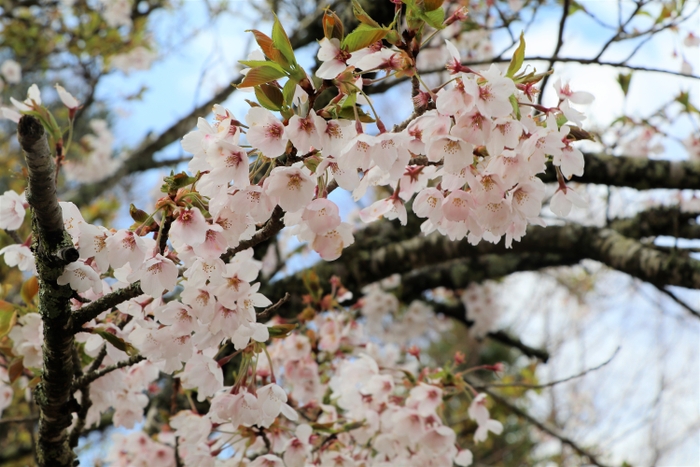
(200, 330)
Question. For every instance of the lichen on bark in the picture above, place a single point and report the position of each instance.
(50, 243)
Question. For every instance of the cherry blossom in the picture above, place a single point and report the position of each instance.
(563, 199)
(81, 277)
(333, 58)
(157, 274)
(11, 71)
(67, 98)
(479, 413)
(12, 210)
(290, 187)
(266, 133)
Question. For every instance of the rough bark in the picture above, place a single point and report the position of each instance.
(569, 244)
(50, 246)
(107, 302)
(636, 172)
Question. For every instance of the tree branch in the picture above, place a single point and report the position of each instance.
(572, 242)
(91, 376)
(53, 392)
(104, 303)
(542, 426)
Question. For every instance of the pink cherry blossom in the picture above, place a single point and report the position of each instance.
(303, 133)
(11, 71)
(321, 215)
(266, 133)
(564, 92)
(126, 247)
(67, 98)
(333, 58)
(12, 210)
(81, 277)
(203, 374)
(290, 187)
(331, 243)
(563, 199)
(390, 208)
(479, 413)
(457, 99)
(157, 274)
(189, 228)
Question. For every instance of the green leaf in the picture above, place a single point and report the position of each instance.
(288, 91)
(561, 120)
(624, 80)
(29, 290)
(332, 26)
(268, 47)
(176, 181)
(258, 63)
(137, 214)
(431, 5)
(362, 15)
(281, 330)
(434, 18)
(261, 75)
(269, 96)
(575, 6)
(363, 36)
(117, 342)
(281, 41)
(518, 57)
(514, 104)
(15, 370)
(8, 317)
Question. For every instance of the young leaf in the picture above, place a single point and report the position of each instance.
(15, 369)
(261, 75)
(29, 290)
(332, 26)
(281, 41)
(137, 214)
(362, 15)
(268, 48)
(434, 18)
(117, 342)
(363, 36)
(514, 104)
(288, 91)
(624, 80)
(257, 63)
(269, 96)
(281, 330)
(8, 317)
(518, 57)
(431, 5)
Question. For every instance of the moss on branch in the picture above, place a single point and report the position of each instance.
(53, 249)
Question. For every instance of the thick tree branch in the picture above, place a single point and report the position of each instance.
(660, 220)
(53, 393)
(572, 242)
(639, 173)
(41, 192)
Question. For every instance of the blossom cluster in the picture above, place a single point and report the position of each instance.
(469, 162)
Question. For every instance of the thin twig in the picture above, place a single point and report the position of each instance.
(13, 235)
(272, 308)
(551, 383)
(680, 302)
(9, 420)
(93, 375)
(544, 427)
